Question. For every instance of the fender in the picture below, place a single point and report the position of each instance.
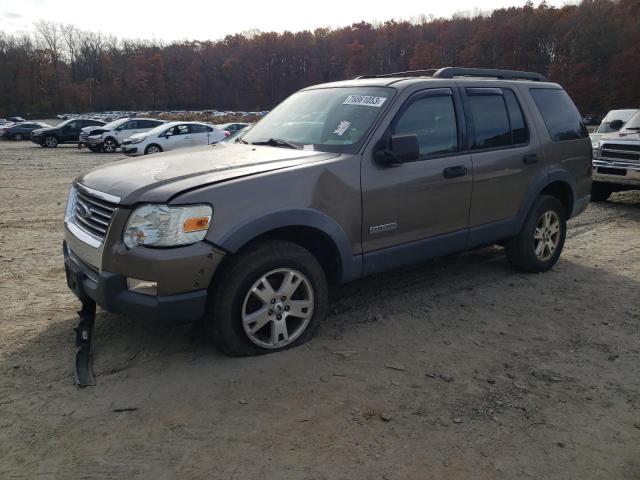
(543, 179)
(351, 265)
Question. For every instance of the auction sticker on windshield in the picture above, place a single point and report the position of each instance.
(364, 100)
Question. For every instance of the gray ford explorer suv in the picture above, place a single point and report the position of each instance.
(340, 181)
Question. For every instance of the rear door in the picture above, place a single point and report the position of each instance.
(199, 135)
(505, 160)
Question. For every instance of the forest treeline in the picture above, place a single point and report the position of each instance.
(592, 49)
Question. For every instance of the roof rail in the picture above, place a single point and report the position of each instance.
(453, 72)
(408, 73)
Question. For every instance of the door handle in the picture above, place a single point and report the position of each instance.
(530, 159)
(453, 172)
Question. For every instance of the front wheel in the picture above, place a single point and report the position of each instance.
(270, 298)
(153, 148)
(109, 145)
(600, 192)
(51, 142)
(538, 245)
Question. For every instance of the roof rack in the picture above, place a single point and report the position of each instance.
(453, 72)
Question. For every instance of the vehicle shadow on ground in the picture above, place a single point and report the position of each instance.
(123, 343)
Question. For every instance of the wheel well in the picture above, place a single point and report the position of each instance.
(312, 239)
(150, 145)
(562, 191)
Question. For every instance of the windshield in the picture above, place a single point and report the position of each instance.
(328, 119)
(634, 123)
(623, 115)
(114, 124)
(163, 127)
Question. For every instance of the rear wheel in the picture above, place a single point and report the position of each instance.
(109, 145)
(600, 191)
(153, 148)
(17, 136)
(270, 298)
(538, 245)
(51, 141)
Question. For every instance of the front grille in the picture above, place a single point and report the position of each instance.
(620, 151)
(93, 215)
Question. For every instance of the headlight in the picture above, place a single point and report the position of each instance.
(137, 140)
(596, 150)
(165, 226)
(71, 205)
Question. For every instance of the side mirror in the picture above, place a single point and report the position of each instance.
(402, 148)
(616, 125)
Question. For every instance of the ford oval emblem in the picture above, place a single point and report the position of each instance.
(83, 211)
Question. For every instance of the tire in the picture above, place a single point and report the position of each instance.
(153, 148)
(109, 145)
(17, 137)
(600, 192)
(524, 251)
(50, 141)
(232, 301)
(93, 148)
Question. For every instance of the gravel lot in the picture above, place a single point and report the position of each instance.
(460, 368)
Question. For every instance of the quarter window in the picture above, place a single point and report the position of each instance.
(433, 120)
(560, 115)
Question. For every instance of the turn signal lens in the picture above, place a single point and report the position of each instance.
(195, 224)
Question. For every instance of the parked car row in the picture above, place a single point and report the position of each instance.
(21, 130)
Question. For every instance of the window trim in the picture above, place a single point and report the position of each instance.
(457, 109)
(471, 128)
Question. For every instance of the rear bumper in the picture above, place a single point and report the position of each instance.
(619, 173)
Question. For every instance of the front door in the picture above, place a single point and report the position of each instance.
(419, 209)
(177, 137)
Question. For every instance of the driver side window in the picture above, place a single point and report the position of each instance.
(433, 120)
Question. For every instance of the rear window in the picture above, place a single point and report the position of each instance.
(560, 115)
(490, 120)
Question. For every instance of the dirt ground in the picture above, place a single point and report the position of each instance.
(460, 368)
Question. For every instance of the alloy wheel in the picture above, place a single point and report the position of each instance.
(152, 149)
(109, 146)
(277, 308)
(51, 142)
(546, 236)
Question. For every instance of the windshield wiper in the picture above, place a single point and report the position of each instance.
(278, 142)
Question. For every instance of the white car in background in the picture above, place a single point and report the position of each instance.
(172, 136)
(109, 137)
(612, 122)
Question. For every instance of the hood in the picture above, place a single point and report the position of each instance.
(44, 130)
(90, 129)
(139, 135)
(622, 135)
(160, 177)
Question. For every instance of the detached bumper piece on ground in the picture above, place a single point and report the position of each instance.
(84, 335)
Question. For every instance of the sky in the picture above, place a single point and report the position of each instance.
(213, 19)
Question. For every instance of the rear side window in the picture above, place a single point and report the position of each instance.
(560, 115)
(433, 120)
(195, 128)
(490, 120)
